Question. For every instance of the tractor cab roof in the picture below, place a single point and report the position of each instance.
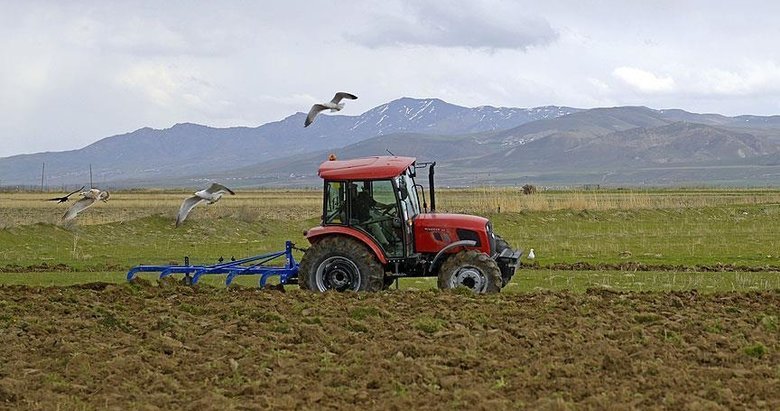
(368, 168)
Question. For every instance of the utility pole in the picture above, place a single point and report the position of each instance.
(43, 170)
(90, 177)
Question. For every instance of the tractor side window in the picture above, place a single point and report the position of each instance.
(383, 192)
(374, 210)
(370, 198)
(335, 203)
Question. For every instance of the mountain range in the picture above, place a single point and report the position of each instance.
(484, 145)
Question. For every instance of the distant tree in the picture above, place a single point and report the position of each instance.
(529, 189)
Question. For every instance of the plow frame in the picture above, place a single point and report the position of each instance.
(256, 266)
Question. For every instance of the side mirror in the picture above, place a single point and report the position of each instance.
(402, 193)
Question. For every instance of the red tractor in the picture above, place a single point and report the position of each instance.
(375, 231)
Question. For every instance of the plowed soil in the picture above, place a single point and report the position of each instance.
(145, 346)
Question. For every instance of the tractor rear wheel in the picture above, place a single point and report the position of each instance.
(471, 269)
(341, 264)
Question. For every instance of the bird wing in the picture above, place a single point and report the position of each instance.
(74, 192)
(315, 109)
(78, 207)
(185, 208)
(340, 95)
(216, 187)
(65, 197)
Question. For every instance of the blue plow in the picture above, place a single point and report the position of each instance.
(245, 266)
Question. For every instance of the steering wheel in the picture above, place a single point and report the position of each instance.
(386, 209)
(385, 214)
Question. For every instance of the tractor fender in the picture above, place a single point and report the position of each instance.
(315, 234)
(464, 243)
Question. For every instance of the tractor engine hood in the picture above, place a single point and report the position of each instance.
(434, 231)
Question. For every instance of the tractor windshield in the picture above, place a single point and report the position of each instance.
(408, 196)
(373, 209)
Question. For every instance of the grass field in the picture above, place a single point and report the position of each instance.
(682, 231)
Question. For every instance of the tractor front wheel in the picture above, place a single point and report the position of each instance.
(471, 269)
(340, 264)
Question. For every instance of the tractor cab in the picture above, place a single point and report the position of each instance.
(376, 197)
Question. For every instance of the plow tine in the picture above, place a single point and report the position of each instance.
(196, 276)
(131, 274)
(230, 277)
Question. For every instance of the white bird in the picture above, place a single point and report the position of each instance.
(333, 105)
(211, 194)
(531, 254)
(88, 199)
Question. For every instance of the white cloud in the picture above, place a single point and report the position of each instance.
(749, 79)
(644, 81)
(157, 82)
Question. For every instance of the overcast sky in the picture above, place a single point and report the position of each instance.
(74, 72)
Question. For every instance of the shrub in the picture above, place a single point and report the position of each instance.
(428, 325)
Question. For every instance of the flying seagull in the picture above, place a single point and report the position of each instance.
(88, 199)
(211, 194)
(334, 105)
(65, 198)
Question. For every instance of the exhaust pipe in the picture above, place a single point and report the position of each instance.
(431, 187)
